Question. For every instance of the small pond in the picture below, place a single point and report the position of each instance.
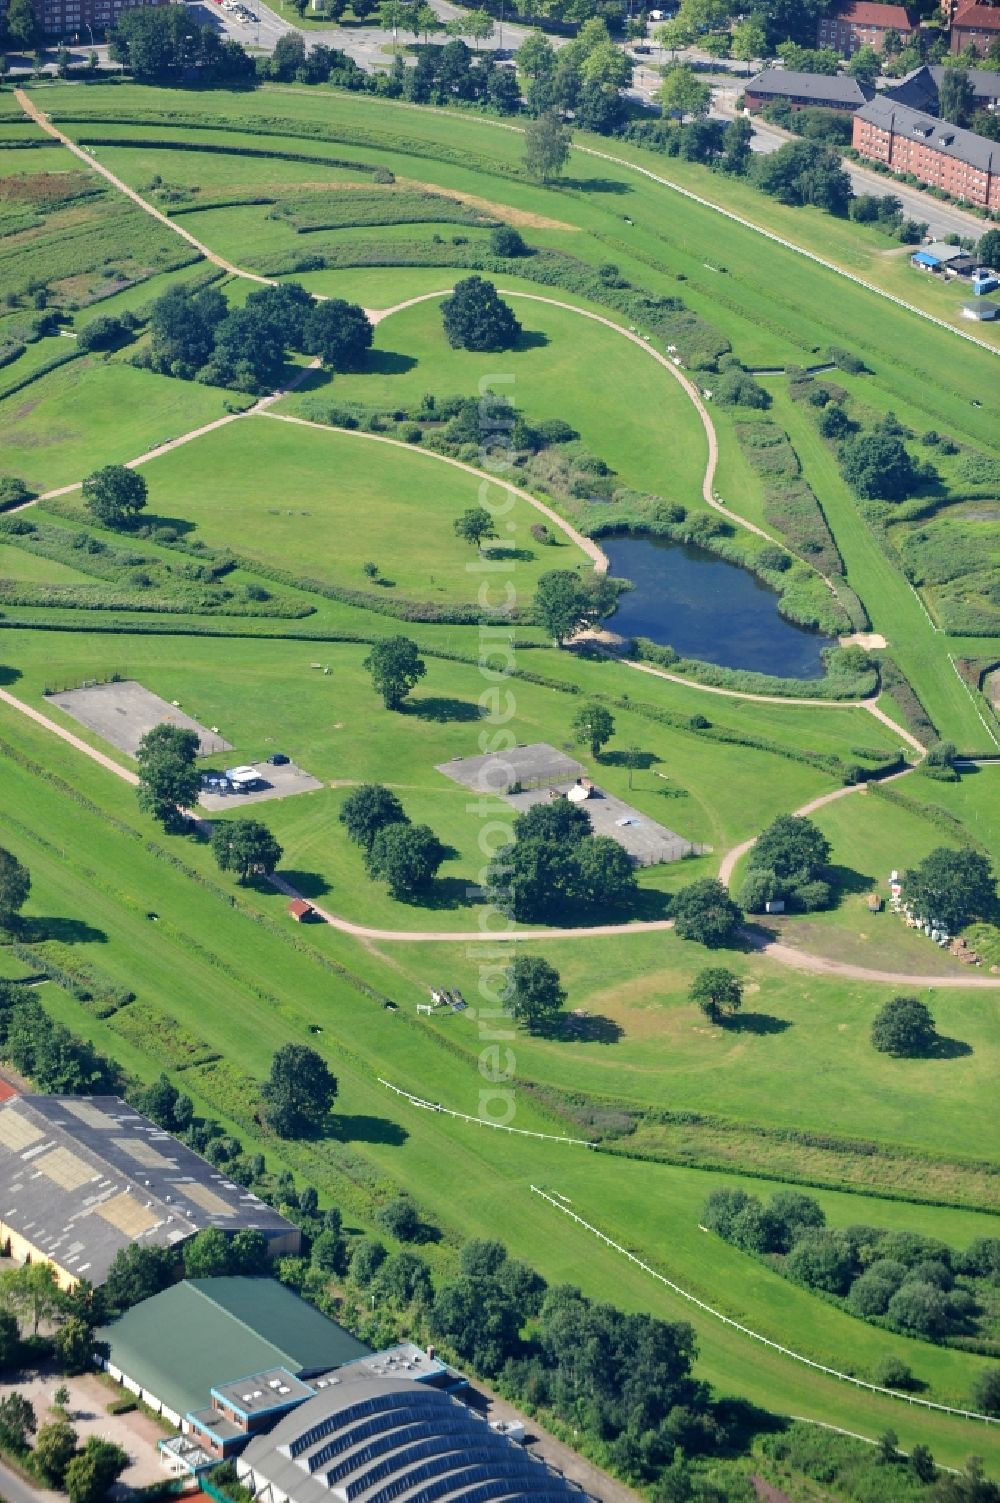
(705, 607)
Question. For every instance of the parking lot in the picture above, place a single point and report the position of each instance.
(124, 711)
(275, 782)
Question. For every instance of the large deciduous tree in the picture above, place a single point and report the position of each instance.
(704, 912)
(566, 603)
(339, 333)
(546, 143)
(168, 777)
(367, 810)
(717, 991)
(474, 526)
(951, 888)
(115, 495)
(15, 885)
(396, 667)
(533, 992)
(877, 466)
(299, 1092)
(405, 856)
(594, 724)
(476, 317)
(246, 847)
(904, 1027)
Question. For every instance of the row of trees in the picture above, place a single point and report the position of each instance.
(195, 335)
(404, 855)
(56, 1060)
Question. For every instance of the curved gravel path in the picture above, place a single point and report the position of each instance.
(784, 954)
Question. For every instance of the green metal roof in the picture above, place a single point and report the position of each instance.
(203, 1332)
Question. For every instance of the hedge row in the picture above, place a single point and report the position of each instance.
(13, 387)
(895, 682)
(102, 994)
(790, 505)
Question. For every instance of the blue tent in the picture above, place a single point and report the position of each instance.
(921, 258)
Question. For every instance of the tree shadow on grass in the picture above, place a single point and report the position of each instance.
(845, 881)
(309, 884)
(755, 1022)
(388, 363)
(152, 522)
(591, 1028)
(523, 555)
(67, 931)
(442, 708)
(596, 185)
(531, 339)
(346, 1127)
(944, 1047)
(9, 675)
(641, 761)
(448, 892)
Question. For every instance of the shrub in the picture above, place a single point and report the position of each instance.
(506, 241)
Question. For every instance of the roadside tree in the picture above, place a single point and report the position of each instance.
(405, 856)
(246, 847)
(704, 912)
(477, 318)
(115, 496)
(168, 777)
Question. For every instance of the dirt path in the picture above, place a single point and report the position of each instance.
(597, 555)
(42, 121)
(784, 954)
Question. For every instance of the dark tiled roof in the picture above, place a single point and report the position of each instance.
(961, 145)
(919, 89)
(822, 88)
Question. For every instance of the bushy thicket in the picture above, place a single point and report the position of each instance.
(900, 1279)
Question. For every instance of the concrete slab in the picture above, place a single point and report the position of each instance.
(532, 766)
(278, 782)
(123, 712)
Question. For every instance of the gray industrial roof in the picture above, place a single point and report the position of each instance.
(951, 140)
(82, 1177)
(367, 1438)
(822, 88)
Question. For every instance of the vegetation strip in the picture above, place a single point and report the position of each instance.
(832, 1372)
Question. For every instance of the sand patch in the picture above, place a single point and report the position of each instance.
(497, 211)
(869, 640)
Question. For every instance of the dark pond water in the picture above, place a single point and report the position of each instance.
(704, 607)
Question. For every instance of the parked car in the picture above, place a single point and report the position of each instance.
(278, 759)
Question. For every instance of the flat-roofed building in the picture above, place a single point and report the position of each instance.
(82, 1177)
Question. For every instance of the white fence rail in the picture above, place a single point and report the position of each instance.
(520, 1132)
(831, 1372)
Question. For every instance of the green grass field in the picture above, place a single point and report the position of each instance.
(789, 1086)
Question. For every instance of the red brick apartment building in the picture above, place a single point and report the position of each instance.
(975, 26)
(83, 18)
(939, 154)
(861, 23)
